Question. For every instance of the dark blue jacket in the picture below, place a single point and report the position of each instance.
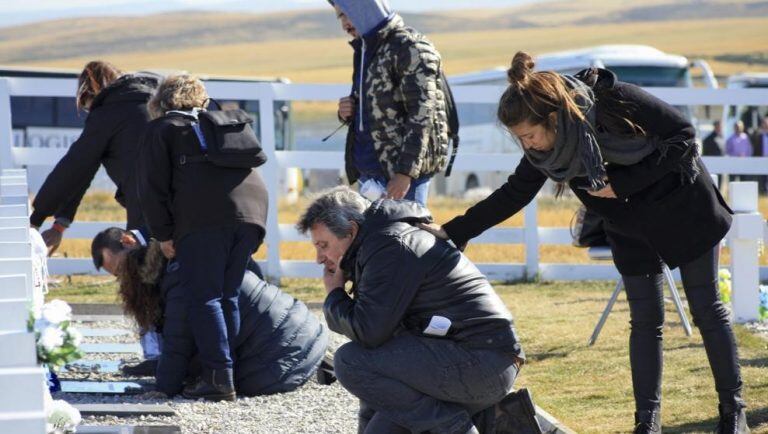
(279, 346)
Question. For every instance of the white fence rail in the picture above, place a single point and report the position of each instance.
(266, 93)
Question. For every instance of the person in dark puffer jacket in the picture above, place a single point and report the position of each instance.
(278, 348)
(117, 117)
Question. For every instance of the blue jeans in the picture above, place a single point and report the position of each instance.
(414, 383)
(418, 192)
(211, 264)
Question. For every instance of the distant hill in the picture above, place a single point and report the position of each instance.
(162, 32)
(695, 10)
(99, 35)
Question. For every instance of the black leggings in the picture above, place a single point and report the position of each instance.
(646, 303)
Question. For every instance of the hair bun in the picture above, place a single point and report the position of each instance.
(521, 69)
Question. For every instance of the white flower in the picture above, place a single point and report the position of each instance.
(63, 416)
(56, 312)
(75, 336)
(51, 338)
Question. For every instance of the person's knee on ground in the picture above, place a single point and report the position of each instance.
(348, 368)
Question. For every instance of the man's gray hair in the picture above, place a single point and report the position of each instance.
(336, 208)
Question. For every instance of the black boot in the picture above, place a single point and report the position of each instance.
(517, 414)
(733, 420)
(215, 385)
(146, 368)
(647, 422)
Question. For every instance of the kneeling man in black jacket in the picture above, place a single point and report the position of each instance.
(432, 343)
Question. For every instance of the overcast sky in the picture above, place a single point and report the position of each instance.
(27, 11)
(411, 5)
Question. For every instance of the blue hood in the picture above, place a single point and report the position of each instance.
(366, 15)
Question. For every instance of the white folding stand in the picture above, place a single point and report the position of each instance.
(604, 253)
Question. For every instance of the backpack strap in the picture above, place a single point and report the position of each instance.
(185, 159)
(453, 122)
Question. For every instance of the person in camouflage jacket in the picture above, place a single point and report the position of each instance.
(398, 135)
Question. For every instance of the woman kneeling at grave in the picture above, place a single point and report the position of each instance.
(279, 345)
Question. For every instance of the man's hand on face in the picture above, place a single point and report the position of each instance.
(398, 186)
(346, 108)
(333, 277)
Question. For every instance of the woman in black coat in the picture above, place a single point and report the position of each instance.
(279, 346)
(117, 117)
(631, 158)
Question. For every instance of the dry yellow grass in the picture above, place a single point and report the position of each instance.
(552, 213)
(329, 60)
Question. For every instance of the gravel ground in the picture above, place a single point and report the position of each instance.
(312, 408)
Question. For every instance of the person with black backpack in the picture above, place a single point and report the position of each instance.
(206, 204)
(399, 110)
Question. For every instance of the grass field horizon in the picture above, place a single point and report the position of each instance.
(329, 59)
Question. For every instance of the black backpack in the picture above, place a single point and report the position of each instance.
(453, 122)
(227, 140)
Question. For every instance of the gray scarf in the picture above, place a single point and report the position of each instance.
(581, 151)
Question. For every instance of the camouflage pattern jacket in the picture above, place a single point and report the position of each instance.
(402, 102)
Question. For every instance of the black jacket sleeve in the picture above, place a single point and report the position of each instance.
(69, 209)
(521, 187)
(385, 289)
(153, 170)
(76, 169)
(657, 118)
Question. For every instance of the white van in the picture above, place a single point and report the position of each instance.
(638, 64)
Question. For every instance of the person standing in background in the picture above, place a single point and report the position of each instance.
(739, 145)
(398, 134)
(714, 143)
(760, 149)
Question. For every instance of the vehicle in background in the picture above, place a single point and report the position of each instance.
(751, 115)
(45, 127)
(638, 64)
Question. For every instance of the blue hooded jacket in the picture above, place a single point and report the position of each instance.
(366, 15)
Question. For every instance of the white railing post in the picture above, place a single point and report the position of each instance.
(531, 235)
(745, 235)
(270, 172)
(6, 130)
(21, 380)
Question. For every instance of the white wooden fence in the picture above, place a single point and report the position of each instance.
(530, 234)
(21, 380)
